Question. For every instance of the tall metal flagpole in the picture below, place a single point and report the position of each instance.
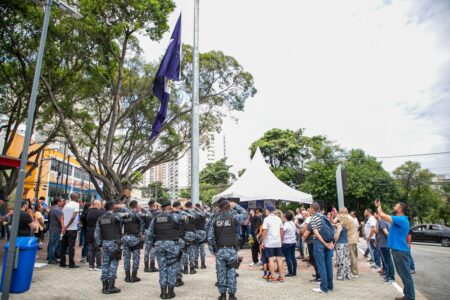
(24, 156)
(195, 190)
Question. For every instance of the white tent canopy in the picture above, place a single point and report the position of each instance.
(259, 183)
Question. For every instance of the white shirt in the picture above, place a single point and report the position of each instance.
(371, 222)
(272, 224)
(289, 233)
(68, 210)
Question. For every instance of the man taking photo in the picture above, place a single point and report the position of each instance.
(397, 243)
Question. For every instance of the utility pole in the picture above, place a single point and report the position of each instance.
(67, 176)
(24, 156)
(195, 189)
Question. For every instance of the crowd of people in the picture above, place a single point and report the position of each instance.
(319, 237)
(173, 238)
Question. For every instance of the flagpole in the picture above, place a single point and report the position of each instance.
(195, 189)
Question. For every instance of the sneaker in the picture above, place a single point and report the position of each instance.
(91, 269)
(318, 290)
(389, 281)
(83, 260)
(355, 276)
(97, 269)
(252, 264)
(413, 271)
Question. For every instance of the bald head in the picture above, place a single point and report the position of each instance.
(96, 204)
(343, 210)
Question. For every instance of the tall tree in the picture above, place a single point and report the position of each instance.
(415, 188)
(217, 173)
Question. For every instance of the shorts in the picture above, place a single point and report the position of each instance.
(264, 257)
(274, 252)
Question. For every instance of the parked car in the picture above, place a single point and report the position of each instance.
(431, 233)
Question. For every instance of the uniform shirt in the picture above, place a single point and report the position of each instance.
(238, 213)
(371, 222)
(272, 224)
(68, 210)
(398, 232)
(177, 217)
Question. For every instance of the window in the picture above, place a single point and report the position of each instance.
(434, 227)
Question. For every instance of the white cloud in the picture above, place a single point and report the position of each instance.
(365, 74)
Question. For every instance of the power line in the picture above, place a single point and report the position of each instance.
(413, 155)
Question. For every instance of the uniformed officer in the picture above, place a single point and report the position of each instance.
(223, 243)
(189, 239)
(200, 235)
(178, 210)
(133, 226)
(107, 235)
(164, 233)
(149, 250)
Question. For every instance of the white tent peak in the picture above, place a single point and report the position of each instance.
(259, 183)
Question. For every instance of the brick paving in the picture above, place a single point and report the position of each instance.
(52, 282)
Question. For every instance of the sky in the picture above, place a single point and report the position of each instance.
(368, 74)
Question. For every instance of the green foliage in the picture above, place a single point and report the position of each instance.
(367, 180)
(96, 86)
(155, 190)
(216, 173)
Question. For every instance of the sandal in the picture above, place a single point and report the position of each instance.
(280, 279)
(271, 279)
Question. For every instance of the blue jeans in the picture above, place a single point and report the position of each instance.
(412, 266)
(300, 245)
(389, 270)
(53, 246)
(324, 261)
(402, 261)
(291, 261)
(376, 254)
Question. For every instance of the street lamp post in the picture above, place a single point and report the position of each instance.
(195, 189)
(26, 142)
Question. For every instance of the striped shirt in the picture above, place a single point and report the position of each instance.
(316, 222)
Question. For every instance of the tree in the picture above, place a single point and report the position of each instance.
(109, 127)
(415, 189)
(155, 190)
(366, 181)
(20, 29)
(216, 173)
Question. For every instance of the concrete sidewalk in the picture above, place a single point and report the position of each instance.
(52, 282)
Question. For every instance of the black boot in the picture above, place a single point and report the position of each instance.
(179, 282)
(105, 287)
(223, 296)
(231, 297)
(127, 276)
(203, 265)
(185, 270)
(163, 294)
(192, 271)
(152, 267)
(134, 277)
(196, 264)
(146, 268)
(111, 287)
(171, 293)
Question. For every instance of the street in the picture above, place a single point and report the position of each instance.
(432, 270)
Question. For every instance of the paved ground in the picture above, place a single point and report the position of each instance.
(52, 282)
(432, 270)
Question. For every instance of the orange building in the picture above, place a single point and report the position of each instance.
(56, 174)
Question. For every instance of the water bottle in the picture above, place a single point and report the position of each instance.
(61, 236)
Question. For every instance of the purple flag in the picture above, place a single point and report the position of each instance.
(169, 69)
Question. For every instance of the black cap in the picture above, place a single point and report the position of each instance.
(176, 204)
(223, 202)
(165, 203)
